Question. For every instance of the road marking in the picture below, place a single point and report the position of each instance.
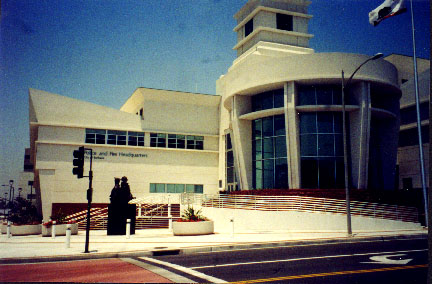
(206, 277)
(384, 259)
(159, 271)
(330, 274)
(305, 245)
(303, 258)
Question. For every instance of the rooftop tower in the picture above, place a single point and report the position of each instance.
(273, 26)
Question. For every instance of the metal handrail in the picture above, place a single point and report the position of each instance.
(311, 204)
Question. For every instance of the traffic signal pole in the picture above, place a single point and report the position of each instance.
(78, 170)
(89, 201)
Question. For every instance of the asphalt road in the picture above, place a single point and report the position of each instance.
(395, 261)
(385, 261)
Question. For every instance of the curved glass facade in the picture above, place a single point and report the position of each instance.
(270, 168)
(268, 100)
(321, 150)
(321, 141)
(319, 95)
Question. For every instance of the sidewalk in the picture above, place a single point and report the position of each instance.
(161, 241)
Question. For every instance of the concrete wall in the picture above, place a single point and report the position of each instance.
(246, 220)
(148, 165)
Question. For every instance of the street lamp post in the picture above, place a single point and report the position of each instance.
(19, 192)
(30, 182)
(11, 190)
(6, 204)
(346, 171)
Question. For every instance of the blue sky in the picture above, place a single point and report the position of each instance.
(102, 50)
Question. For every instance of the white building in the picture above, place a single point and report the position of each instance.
(275, 122)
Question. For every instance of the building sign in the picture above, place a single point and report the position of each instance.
(110, 154)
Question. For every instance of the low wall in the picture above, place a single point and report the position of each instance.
(247, 220)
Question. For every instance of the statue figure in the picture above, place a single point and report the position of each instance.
(115, 192)
(126, 194)
(120, 210)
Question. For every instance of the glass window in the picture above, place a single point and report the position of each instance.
(158, 140)
(190, 188)
(116, 137)
(321, 152)
(199, 142)
(326, 173)
(324, 95)
(269, 143)
(171, 188)
(279, 98)
(308, 145)
(248, 27)
(325, 122)
(172, 141)
(319, 95)
(230, 159)
(308, 123)
(160, 188)
(306, 95)
(179, 188)
(267, 126)
(135, 138)
(326, 145)
(257, 129)
(279, 125)
(281, 173)
(268, 148)
(256, 103)
(95, 136)
(280, 147)
(257, 144)
(258, 180)
(268, 173)
(309, 173)
(267, 100)
(198, 188)
(152, 188)
(284, 22)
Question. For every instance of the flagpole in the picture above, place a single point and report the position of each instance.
(422, 167)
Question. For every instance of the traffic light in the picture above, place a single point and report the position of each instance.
(78, 162)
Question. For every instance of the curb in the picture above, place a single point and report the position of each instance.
(210, 249)
(342, 240)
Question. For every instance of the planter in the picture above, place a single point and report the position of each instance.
(60, 230)
(193, 228)
(23, 230)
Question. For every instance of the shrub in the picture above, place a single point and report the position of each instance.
(192, 215)
(23, 212)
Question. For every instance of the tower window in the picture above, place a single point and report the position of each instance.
(284, 22)
(249, 27)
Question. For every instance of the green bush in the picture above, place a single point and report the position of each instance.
(23, 212)
(192, 215)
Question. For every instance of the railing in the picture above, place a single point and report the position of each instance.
(311, 204)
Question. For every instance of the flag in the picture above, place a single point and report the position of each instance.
(386, 10)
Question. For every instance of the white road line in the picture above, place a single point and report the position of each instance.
(158, 270)
(206, 277)
(304, 258)
(305, 245)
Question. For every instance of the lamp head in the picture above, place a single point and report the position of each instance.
(11, 182)
(377, 56)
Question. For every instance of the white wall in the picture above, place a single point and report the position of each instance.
(148, 165)
(246, 220)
